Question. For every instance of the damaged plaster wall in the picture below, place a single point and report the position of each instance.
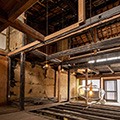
(41, 83)
(37, 82)
(16, 37)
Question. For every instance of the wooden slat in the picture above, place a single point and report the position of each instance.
(103, 107)
(78, 114)
(84, 111)
(91, 109)
(61, 115)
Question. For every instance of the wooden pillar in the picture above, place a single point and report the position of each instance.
(68, 85)
(22, 80)
(55, 84)
(86, 78)
(81, 11)
(59, 73)
(9, 78)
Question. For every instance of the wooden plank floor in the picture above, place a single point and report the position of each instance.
(76, 111)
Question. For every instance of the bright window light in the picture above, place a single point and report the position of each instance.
(105, 59)
(91, 61)
(101, 60)
(112, 58)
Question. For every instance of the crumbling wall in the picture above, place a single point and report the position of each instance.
(16, 37)
(41, 83)
(37, 84)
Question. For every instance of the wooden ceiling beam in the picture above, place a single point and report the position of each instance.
(72, 6)
(87, 57)
(17, 24)
(107, 16)
(113, 42)
(19, 8)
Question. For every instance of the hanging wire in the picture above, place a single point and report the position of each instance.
(62, 40)
(92, 40)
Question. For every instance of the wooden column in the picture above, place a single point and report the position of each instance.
(68, 85)
(22, 80)
(9, 78)
(59, 73)
(81, 11)
(86, 78)
(55, 84)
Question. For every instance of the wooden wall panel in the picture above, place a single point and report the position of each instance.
(3, 79)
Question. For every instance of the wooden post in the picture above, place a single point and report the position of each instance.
(9, 78)
(22, 80)
(55, 85)
(86, 78)
(59, 67)
(68, 85)
(81, 11)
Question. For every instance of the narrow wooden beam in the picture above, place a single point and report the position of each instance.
(95, 64)
(112, 42)
(59, 74)
(17, 24)
(81, 10)
(86, 84)
(22, 80)
(109, 67)
(19, 8)
(68, 99)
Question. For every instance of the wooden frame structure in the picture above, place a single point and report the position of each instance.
(81, 19)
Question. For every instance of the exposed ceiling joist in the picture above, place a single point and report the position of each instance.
(72, 6)
(19, 8)
(82, 28)
(113, 42)
(88, 65)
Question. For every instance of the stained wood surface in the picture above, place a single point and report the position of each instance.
(3, 79)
